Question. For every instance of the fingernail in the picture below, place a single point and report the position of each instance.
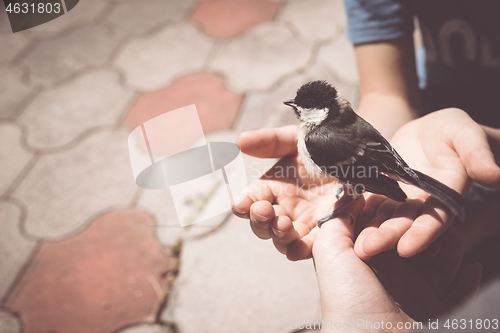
(259, 218)
(237, 210)
(278, 233)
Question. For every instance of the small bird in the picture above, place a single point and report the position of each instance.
(333, 139)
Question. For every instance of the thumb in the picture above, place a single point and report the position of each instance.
(475, 154)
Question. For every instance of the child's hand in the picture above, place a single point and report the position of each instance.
(285, 203)
(447, 145)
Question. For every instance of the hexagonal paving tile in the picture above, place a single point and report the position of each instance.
(153, 62)
(216, 106)
(57, 116)
(69, 53)
(135, 18)
(261, 57)
(13, 158)
(315, 19)
(15, 249)
(112, 274)
(229, 18)
(64, 190)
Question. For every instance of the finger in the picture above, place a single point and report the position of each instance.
(384, 210)
(443, 267)
(387, 236)
(431, 224)
(257, 191)
(471, 144)
(283, 233)
(467, 285)
(302, 248)
(261, 214)
(269, 143)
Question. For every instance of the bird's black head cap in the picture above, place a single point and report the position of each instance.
(316, 94)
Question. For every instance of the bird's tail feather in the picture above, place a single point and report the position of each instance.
(451, 198)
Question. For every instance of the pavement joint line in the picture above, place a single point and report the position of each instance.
(212, 230)
(76, 141)
(212, 54)
(21, 273)
(19, 109)
(22, 219)
(239, 112)
(15, 314)
(21, 175)
(127, 108)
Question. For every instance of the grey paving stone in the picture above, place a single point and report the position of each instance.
(136, 18)
(234, 282)
(13, 158)
(261, 57)
(58, 58)
(15, 249)
(9, 323)
(58, 115)
(146, 328)
(315, 19)
(153, 62)
(64, 190)
(339, 57)
(13, 89)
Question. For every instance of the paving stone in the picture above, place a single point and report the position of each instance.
(230, 278)
(64, 190)
(146, 328)
(136, 18)
(315, 19)
(13, 89)
(9, 323)
(58, 115)
(339, 57)
(83, 12)
(112, 274)
(216, 106)
(58, 58)
(13, 158)
(15, 249)
(230, 18)
(261, 57)
(153, 62)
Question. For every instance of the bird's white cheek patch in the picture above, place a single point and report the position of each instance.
(314, 116)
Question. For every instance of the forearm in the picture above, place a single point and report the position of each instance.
(389, 94)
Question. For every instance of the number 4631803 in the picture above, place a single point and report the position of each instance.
(40, 8)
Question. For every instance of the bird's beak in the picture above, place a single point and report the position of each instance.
(290, 102)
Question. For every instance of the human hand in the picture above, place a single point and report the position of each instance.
(285, 203)
(394, 290)
(447, 145)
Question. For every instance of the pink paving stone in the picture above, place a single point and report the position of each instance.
(229, 18)
(110, 275)
(217, 107)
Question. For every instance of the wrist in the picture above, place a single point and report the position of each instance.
(386, 112)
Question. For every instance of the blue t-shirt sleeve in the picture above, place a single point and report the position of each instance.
(370, 21)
